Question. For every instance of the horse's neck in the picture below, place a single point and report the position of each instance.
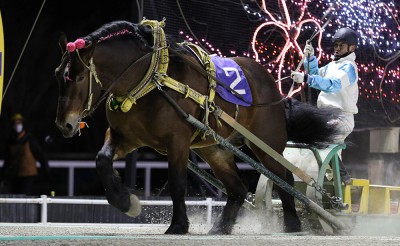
(122, 82)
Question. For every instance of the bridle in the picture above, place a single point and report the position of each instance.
(92, 74)
(89, 108)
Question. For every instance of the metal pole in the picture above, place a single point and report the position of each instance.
(43, 219)
(71, 173)
(209, 210)
(147, 182)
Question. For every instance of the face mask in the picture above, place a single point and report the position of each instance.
(18, 128)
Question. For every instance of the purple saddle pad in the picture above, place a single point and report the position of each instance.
(229, 72)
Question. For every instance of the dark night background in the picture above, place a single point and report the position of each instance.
(33, 90)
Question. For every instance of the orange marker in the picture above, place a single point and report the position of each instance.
(82, 125)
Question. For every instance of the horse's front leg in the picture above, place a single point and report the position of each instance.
(117, 193)
(177, 175)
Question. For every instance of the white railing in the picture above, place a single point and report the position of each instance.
(146, 165)
(44, 201)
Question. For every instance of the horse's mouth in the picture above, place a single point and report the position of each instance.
(69, 133)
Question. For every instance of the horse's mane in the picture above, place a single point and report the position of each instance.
(173, 44)
(118, 29)
(112, 30)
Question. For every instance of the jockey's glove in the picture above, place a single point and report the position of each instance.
(308, 50)
(299, 77)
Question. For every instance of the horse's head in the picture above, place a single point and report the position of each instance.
(73, 76)
(95, 61)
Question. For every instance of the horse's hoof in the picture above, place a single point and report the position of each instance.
(135, 208)
(216, 232)
(178, 229)
(292, 228)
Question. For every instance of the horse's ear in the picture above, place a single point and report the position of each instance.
(62, 42)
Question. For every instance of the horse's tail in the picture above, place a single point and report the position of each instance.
(310, 125)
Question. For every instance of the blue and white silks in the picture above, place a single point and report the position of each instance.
(337, 82)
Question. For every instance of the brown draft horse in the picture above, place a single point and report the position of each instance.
(115, 58)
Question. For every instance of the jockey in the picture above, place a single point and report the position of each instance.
(337, 82)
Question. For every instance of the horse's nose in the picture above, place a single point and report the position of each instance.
(66, 129)
(67, 126)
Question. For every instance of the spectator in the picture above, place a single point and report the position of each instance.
(22, 151)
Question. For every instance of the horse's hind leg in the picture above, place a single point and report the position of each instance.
(224, 167)
(290, 218)
(117, 193)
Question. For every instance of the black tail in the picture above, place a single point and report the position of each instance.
(309, 124)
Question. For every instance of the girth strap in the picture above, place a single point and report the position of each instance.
(208, 66)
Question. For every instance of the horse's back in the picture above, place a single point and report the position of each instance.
(262, 83)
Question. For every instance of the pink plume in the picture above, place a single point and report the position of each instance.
(71, 47)
(79, 43)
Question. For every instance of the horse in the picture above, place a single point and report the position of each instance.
(125, 62)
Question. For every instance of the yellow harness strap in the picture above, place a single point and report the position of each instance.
(208, 65)
(158, 66)
(156, 76)
(183, 89)
(210, 68)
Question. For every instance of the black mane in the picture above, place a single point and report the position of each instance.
(108, 31)
(143, 32)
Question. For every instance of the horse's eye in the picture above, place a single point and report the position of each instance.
(80, 78)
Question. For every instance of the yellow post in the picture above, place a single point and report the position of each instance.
(380, 198)
(379, 202)
(364, 197)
